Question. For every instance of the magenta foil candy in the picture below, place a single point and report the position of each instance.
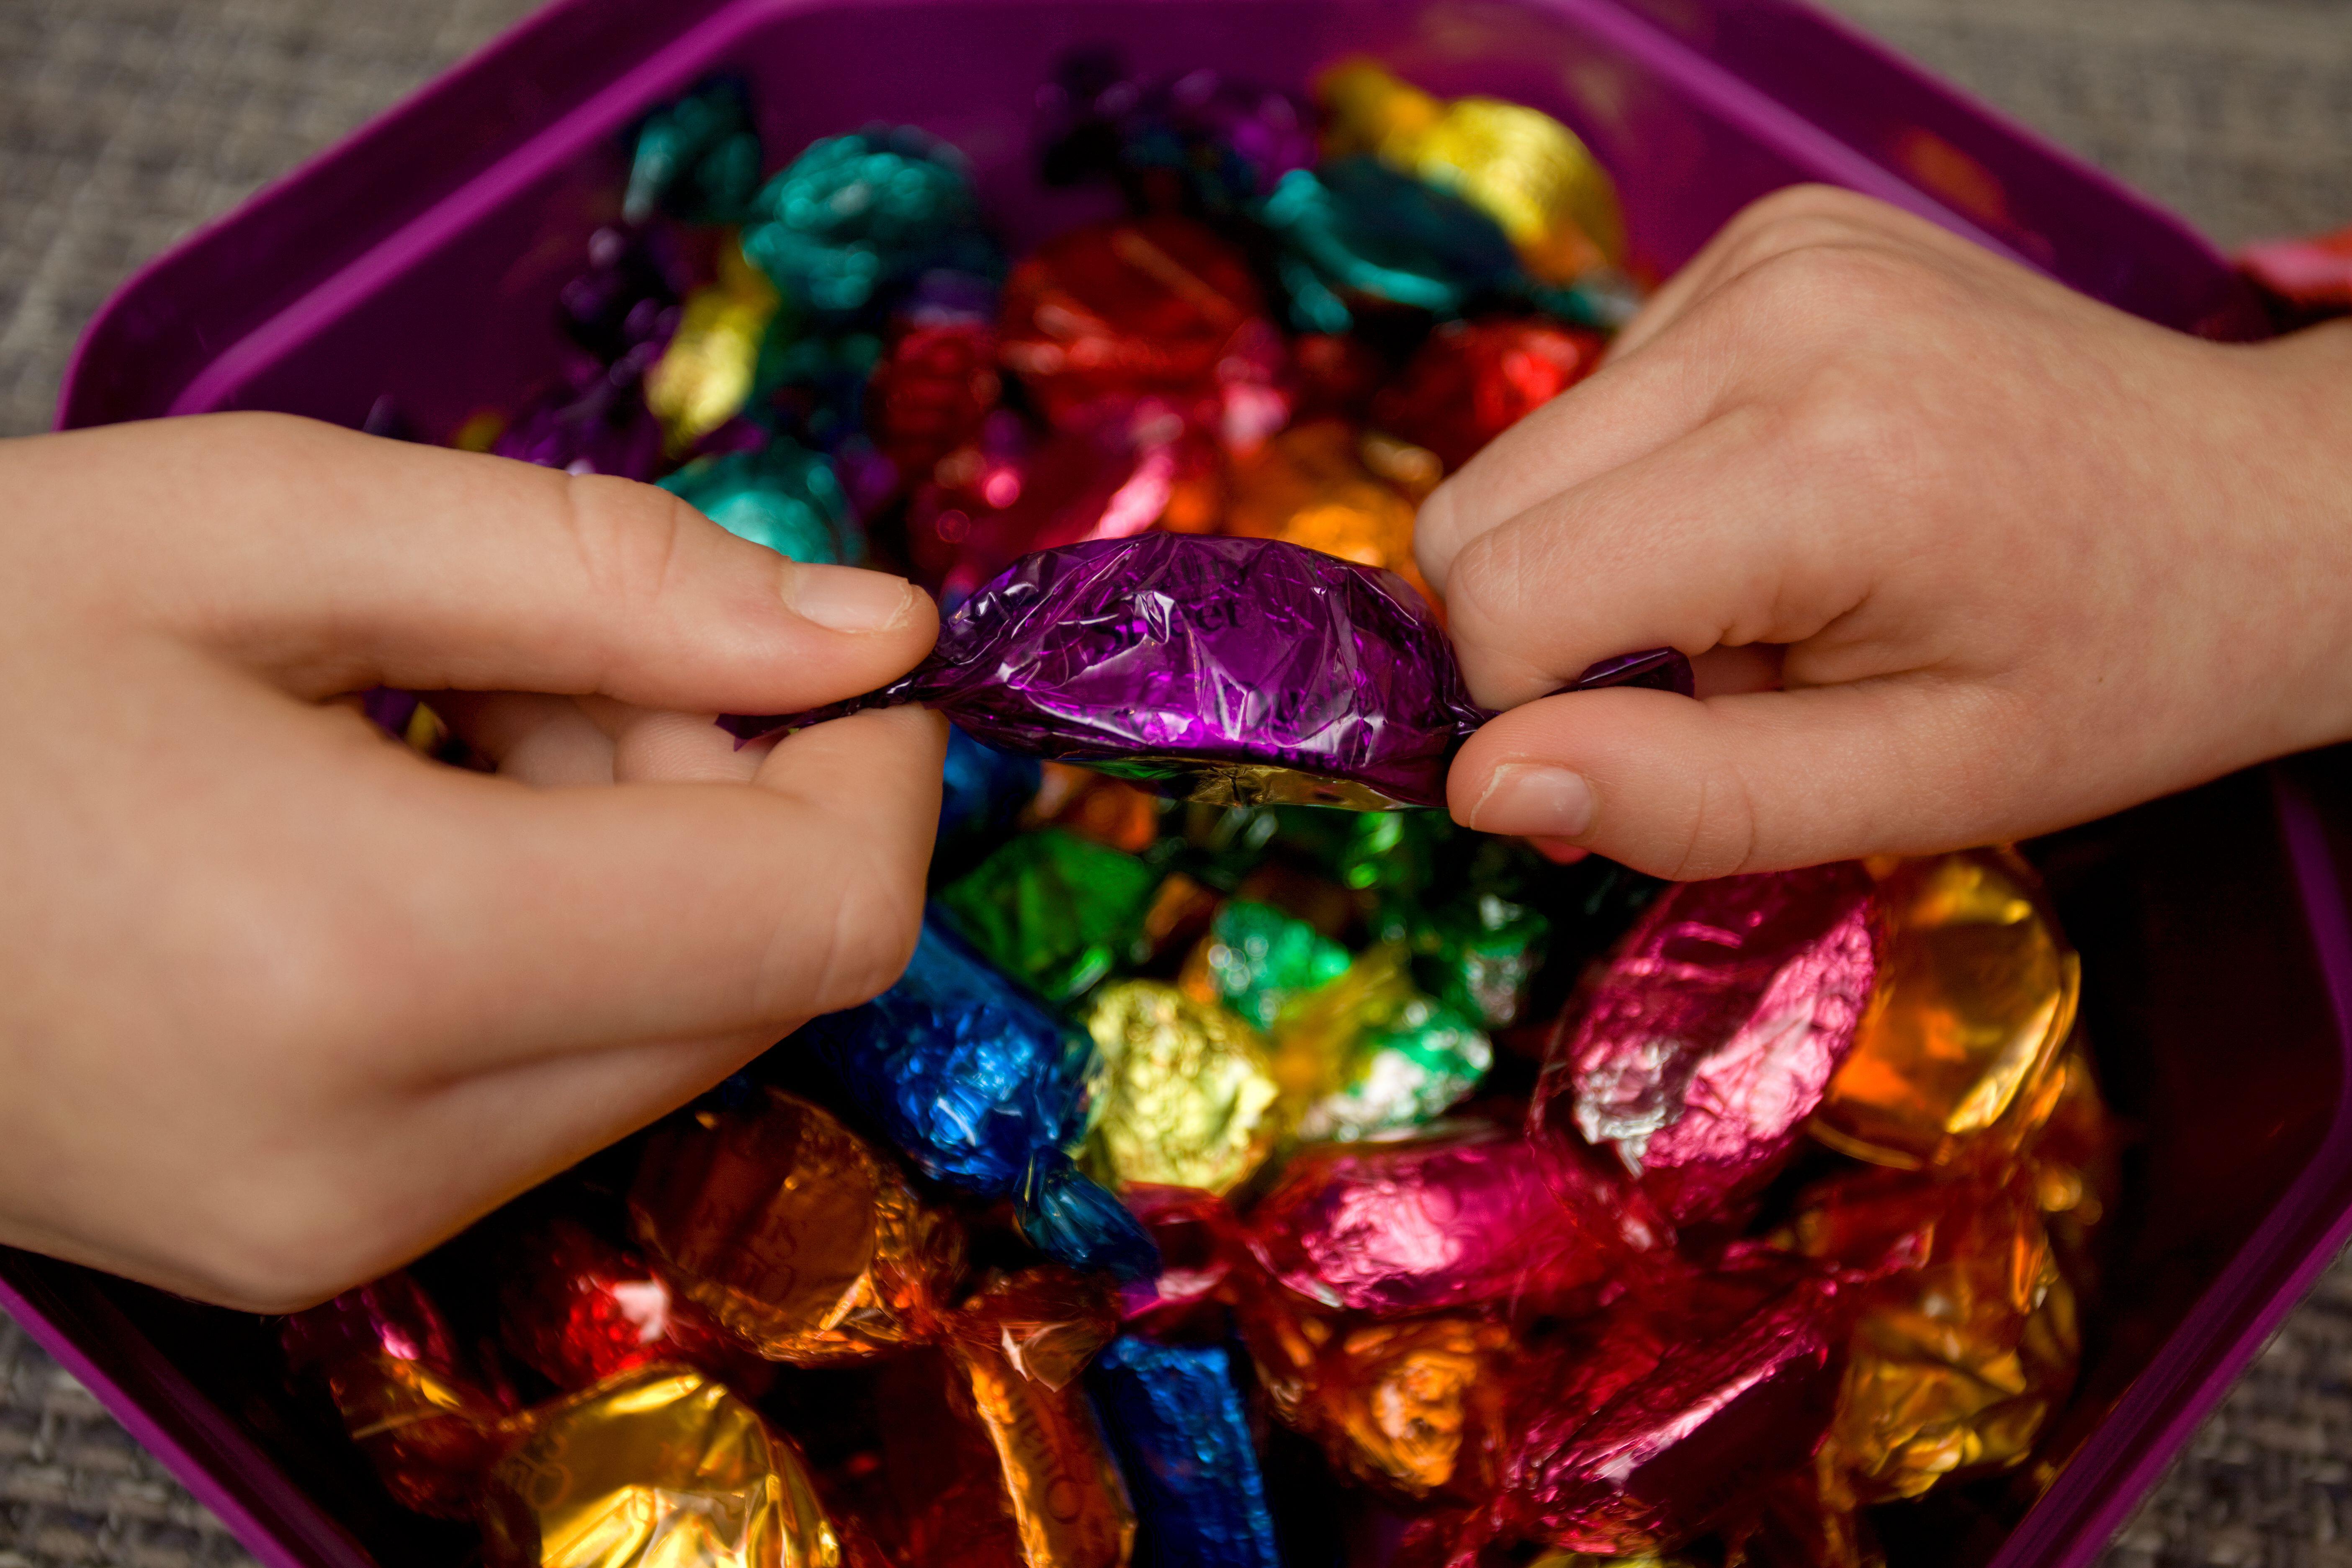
(1714, 1032)
(1233, 672)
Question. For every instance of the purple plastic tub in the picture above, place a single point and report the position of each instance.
(420, 259)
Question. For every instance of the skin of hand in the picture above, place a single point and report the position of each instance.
(1962, 557)
(282, 1004)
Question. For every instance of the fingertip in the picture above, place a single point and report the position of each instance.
(856, 602)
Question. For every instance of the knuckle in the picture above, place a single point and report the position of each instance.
(626, 538)
(1721, 836)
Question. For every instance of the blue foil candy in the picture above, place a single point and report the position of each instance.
(985, 789)
(1176, 1424)
(972, 1079)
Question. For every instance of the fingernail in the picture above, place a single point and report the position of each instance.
(1534, 799)
(845, 599)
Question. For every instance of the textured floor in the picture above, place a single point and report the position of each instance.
(125, 123)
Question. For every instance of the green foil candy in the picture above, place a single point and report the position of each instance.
(1055, 911)
(856, 214)
(1370, 1053)
(697, 160)
(1478, 954)
(1255, 958)
(783, 496)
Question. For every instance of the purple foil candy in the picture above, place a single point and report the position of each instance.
(599, 428)
(1712, 1033)
(1232, 671)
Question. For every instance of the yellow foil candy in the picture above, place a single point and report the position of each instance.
(1309, 487)
(1188, 1097)
(659, 1467)
(1521, 167)
(704, 376)
(1976, 995)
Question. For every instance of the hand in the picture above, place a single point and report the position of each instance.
(1963, 557)
(281, 1004)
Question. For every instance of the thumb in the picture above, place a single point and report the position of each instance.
(336, 560)
(1758, 782)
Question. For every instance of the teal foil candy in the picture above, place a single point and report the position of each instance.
(1180, 1434)
(1055, 911)
(1257, 958)
(697, 160)
(855, 216)
(1357, 232)
(783, 496)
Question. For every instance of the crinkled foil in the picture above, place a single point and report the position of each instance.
(577, 1309)
(1368, 1053)
(703, 378)
(781, 496)
(1255, 958)
(1471, 380)
(1055, 911)
(1189, 1098)
(1181, 1432)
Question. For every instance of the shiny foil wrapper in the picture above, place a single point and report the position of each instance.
(981, 789)
(1360, 235)
(1255, 958)
(1471, 380)
(660, 1467)
(855, 218)
(426, 1417)
(1475, 1216)
(781, 496)
(1180, 1432)
(578, 1309)
(696, 159)
(981, 1087)
(1203, 140)
(625, 305)
(599, 425)
(1095, 806)
(793, 1234)
(704, 377)
(1053, 910)
(1308, 486)
(1375, 1053)
(1413, 1409)
(1485, 951)
(1189, 1096)
(932, 390)
(1954, 1059)
(1521, 167)
(1957, 1365)
(1714, 1032)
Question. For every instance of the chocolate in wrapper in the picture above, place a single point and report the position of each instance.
(704, 376)
(1234, 672)
(1521, 167)
(1370, 1054)
(598, 426)
(977, 1084)
(1484, 950)
(577, 1309)
(782, 496)
(934, 387)
(983, 790)
(1958, 1363)
(855, 217)
(1188, 1097)
(1215, 141)
(1712, 1033)
(1954, 1059)
(1181, 1436)
(625, 305)
(697, 158)
(795, 1236)
(660, 1467)
(1053, 910)
(1308, 487)
(1255, 958)
(426, 1416)
(1471, 380)
(1358, 235)
(1460, 1217)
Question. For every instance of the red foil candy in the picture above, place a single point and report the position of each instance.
(931, 392)
(581, 1309)
(1712, 1033)
(1471, 380)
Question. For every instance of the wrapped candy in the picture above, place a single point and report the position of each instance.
(1055, 911)
(598, 426)
(697, 158)
(578, 1309)
(856, 217)
(1188, 1097)
(1956, 1363)
(1486, 950)
(660, 1467)
(1209, 138)
(1471, 380)
(1255, 958)
(977, 1084)
(1467, 1216)
(1095, 806)
(1227, 670)
(930, 392)
(1413, 1409)
(625, 306)
(983, 790)
(428, 1421)
(1954, 1059)
(1521, 167)
(1308, 487)
(781, 496)
(813, 386)
(790, 1231)
(1370, 1054)
(1714, 1032)
(704, 377)
(1359, 234)
(1180, 1432)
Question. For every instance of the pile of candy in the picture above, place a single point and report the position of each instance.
(1230, 1181)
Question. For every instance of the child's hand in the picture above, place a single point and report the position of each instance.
(281, 1005)
(2018, 559)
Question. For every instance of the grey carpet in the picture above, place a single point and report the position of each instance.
(125, 123)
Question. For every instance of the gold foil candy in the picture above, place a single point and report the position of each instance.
(704, 377)
(1309, 487)
(1524, 169)
(1976, 995)
(1188, 1097)
(659, 1467)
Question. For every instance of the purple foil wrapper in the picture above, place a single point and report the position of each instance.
(601, 427)
(1232, 671)
(1714, 1032)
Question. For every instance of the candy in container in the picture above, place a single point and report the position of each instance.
(794, 1235)
(1255, 958)
(704, 376)
(857, 217)
(1307, 486)
(1180, 1432)
(781, 496)
(934, 384)
(1232, 671)
(1712, 1033)
(659, 1467)
(1359, 236)
(981, 1087)
(625, 305)
(697, 158)
(1055, 911)
(1471, 380)
(1368, 1053)
(577, 1309)
(1214, 142)
(1189, 1096)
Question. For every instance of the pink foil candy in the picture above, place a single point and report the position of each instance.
(1714, 1032)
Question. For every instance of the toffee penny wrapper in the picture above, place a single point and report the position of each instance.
(1232, 671)
(660, 1467)
(973, 1080)
(1471, 380)
(426, 1417)
(793, 1234)
(1189, 1096)
(1958, 1363)
(578, 1309)
(1712, 1033)
(1953, 1062)
(1055, 911)
(1181, 1432)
